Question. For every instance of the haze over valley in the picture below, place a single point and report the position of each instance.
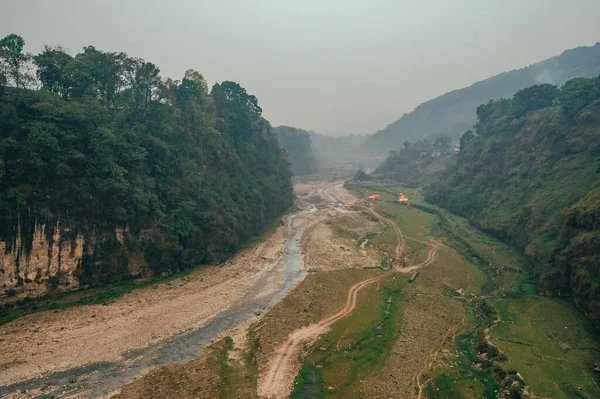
(279, 200)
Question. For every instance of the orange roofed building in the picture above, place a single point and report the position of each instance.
(403, 199)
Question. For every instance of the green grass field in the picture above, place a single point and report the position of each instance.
(547, 340)
(550, 343)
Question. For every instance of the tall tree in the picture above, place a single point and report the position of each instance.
(578, 93)
(103, 73)
(53, 71)
(145, 80)
(236, 109)
(14, 61)
(197, 78)
(532, 98)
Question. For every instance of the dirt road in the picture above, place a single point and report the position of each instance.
(277, 381)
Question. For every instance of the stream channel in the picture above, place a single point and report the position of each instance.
(98, 379)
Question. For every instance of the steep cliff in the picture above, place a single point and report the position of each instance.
(580, 260)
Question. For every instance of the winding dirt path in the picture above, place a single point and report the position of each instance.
(277, 381)
(279, 377)
(430, 258)
(417, 378)
(400, 247)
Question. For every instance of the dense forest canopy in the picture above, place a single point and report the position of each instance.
(298, 147)
(106, 143)
(529, 175)
(453, 113)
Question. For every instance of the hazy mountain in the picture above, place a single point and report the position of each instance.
(340, 149)
(453, 113)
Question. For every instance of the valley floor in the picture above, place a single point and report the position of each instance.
(469, 326)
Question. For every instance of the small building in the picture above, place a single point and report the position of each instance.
(403, 199)
(413, 277)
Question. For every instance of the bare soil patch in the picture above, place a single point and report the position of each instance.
(302, 189)
(196, 379)
(326, 249)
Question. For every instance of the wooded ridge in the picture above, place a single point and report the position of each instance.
(166, 172)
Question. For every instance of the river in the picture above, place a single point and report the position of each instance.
(99, 379)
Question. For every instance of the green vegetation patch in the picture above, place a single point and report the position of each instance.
(550, 343)
(546, 341)
(524, 175)
(355, 346)
(308, 384)
(459, 379)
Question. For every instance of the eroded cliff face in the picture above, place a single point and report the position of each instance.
(51, 265)
(55, 264)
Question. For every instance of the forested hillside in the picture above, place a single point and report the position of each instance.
(453, 113)
(297, 146)
(136, 174)
(529, 175)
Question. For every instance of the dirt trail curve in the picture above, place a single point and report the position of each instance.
(400, 246)
(276, 383)
(279, 377)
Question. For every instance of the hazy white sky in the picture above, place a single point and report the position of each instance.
(334, 66)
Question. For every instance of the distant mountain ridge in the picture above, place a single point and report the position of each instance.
(453, 113)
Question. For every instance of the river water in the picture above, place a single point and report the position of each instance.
(98, 379)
